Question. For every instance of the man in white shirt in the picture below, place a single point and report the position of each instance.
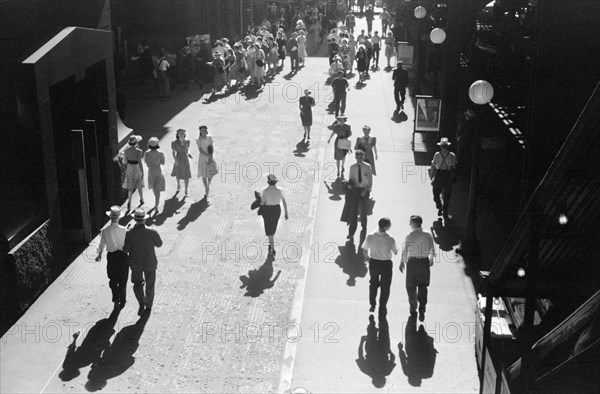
(357, 195)
(442, 173)
(418, 252)
(113, 238)
(378, 248)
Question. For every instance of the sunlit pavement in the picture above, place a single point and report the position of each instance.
(301, 327)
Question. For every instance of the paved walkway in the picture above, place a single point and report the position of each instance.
(298, 322)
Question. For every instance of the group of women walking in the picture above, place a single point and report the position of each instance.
(154, 158)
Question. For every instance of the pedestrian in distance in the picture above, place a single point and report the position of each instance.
(361, 63)
(385, 20)
(162, 68)
(368, 144)
(270, 208)
(207, 167)
(376, 41)
(154, 159)
(443, 173)
(113, 239)
(140, 244)
(418, 252)
(134, 174)
(390, 50)
(400, 78)
(292, 50)
(378, 248)
(358, 191)
(306, 103)
(342, 144)
(181, 167)
(369, 16)
(340, 87)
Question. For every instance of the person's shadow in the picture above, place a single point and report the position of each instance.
(352, 261)
(335, 189)
(96, 341)
(444, 235)
(417, 355)
(375, 358)
(258, 280)
(171, 207)
(399, 116)
(301, 148)
(118, 358)
(193, 213)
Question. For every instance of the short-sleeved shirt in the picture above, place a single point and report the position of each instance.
(339, 85)
(271, 196)
(380, 245)
(163, 65)
(113, 238)
(443, 161)
(418, 244)
(366, 174)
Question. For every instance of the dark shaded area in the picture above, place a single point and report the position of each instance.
(258, 280)
(96, 341)
(170, 208)
(445, 234)
(193, 213)
(417, 355)
(335, 189)
(375, 358)
(399, 116)
(118, 357)
(352, 261)
(301, 148)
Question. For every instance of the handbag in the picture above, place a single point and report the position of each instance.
(260, 63)
(211, 168)
(344, 143)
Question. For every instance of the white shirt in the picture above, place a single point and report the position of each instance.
(163, 65)
(418, 244)
(113, 237)
(366, 174)
(443, 161)
(380, 245)
(271, 196)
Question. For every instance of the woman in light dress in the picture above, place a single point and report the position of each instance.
(368, 144)
(302, 55)
(205, 158)
(134, 176)
(154, 159)
(258, 76)
(390, 50)
(181, 168)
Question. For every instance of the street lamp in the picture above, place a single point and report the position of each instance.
(480, 92)
(437, 35)
(420, 12)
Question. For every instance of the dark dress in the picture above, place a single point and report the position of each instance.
(341, 131)
(281, 50)
(306, 104)
(361, 61)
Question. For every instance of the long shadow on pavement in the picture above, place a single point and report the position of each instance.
(399, 116)
(445, 234)
(335, 189)
(118, 358)
(96, 340)
(417, 355)
(301, 149)
(258, 280)
(193, 213)
(375, 358)
(352, 261)
(171, 207)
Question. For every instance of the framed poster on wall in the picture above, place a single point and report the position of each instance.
(405, 54)
(428, 114)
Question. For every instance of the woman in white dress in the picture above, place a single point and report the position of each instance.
(154, 159)
(206, 166)
(134, 176)
(302, 47)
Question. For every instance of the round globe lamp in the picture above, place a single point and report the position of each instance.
(420, 12)
(481, 92)
(437, 35)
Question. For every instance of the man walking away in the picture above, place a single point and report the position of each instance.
(140, 242)
(442, 173)
(340, 87)
(113, 238)
(417, 255)
(378, 248)
(400, 78)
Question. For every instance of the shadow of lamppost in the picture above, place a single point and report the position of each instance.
(480, 92)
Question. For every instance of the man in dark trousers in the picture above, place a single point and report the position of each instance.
(340, 87)
(378, 248)
(369, 15)
(400, 78)
(113, 238)
(442, 173)
(292, 49)
(357, 195)
(140, 243)
(418, 252)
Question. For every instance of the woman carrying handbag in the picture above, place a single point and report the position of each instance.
(342, 145)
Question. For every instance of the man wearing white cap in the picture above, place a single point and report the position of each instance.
(442, 175)
(113, 238)
(140, 243)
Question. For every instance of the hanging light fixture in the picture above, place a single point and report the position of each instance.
(437, 35)
(481, 92)
(420, 12)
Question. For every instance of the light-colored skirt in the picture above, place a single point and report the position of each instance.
(133, 177)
